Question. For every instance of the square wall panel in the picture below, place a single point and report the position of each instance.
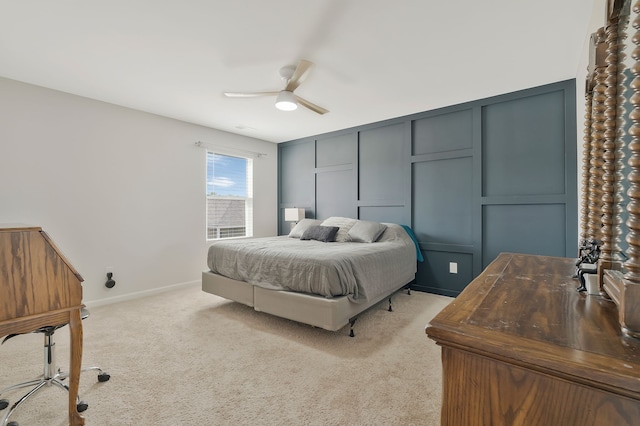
(526, 228)
(445, 132)
(435, 273)
(336, 151)
(442, 201)
(386, 214)
(523, 146)
(381, 164)
(297, 177)
(335, 194)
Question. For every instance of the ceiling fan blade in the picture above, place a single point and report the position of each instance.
(313, 107)
(249, 94)
(299, 75)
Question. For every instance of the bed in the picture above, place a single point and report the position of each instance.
(324, 273)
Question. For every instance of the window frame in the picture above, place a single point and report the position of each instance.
(248, 199)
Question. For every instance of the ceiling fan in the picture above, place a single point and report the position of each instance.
(286, 100)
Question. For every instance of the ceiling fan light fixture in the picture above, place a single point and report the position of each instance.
(286, 101)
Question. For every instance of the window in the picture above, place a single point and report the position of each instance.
(229, 196)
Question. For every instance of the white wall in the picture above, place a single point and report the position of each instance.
(116, 187)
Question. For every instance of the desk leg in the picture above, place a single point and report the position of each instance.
(75, 328)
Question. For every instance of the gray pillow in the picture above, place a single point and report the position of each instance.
(325, 234)
(344, 223)
(365, 231)
(302, 226)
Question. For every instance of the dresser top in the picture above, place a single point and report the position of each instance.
(525, 309)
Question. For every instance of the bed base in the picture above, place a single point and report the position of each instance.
(328, 313)
(352, 321)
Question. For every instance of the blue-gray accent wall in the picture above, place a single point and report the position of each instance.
(472, 180)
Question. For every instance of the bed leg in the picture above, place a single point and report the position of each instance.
(390, 308)
(351, 322)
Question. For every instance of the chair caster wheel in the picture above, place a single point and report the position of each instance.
(4, 403)
(104, 377)
(12, 424)
(82, 406)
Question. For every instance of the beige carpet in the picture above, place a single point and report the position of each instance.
(186, 357)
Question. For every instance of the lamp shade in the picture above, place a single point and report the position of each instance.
(293, 214)
(286, 101)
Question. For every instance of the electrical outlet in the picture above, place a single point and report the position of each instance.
(453, 267)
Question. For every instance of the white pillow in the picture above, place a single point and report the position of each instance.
(344, 223)
(365, 231)
(302, 226)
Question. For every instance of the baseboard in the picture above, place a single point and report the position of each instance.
(435, 290)
(137, 295)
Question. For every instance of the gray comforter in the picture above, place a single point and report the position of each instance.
(362, 271)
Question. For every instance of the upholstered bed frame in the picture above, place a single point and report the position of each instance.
(328, 313)
(321, 283)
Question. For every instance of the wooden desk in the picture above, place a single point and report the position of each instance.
(39, 287)
(520, 346)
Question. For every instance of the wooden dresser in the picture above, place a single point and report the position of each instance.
(520, 346)
(39, 287)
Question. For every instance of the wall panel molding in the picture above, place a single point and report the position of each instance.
(470, 179)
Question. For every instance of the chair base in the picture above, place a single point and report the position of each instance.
(38, 384)
(50, 377)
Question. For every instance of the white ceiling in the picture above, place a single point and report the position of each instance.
(375, 59)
